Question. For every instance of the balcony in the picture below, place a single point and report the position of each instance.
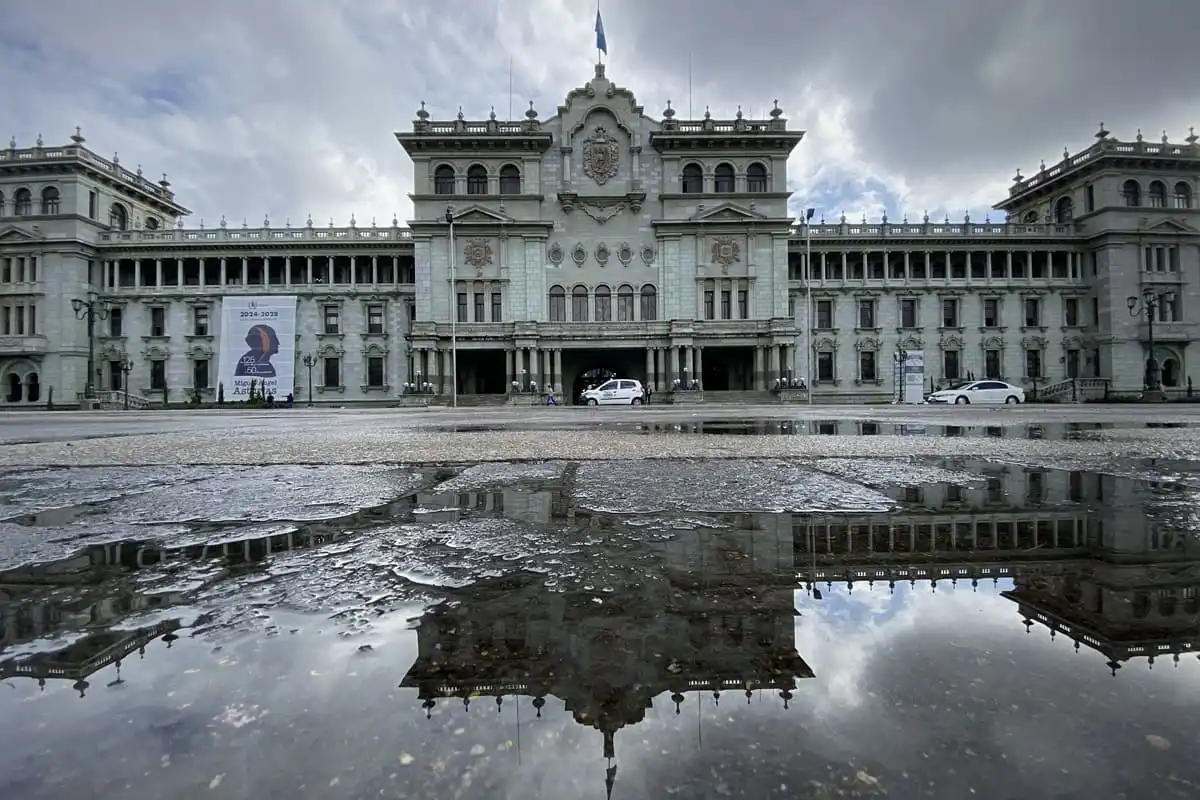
(1169, 331)
(32, 345)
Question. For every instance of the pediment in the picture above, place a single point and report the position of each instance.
(479, 215)
(1172, 226)
(11, 234)
(727, 212)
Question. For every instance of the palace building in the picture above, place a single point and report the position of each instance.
(601, 239)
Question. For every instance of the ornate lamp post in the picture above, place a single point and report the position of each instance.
(90, 308)
(1148, 304)
(126, 368)
(308, 362)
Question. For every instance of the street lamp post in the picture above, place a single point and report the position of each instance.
(308, 362)
(90, 308)
(126, 368)
(453, 311)
(1148, 304)
(808, 373)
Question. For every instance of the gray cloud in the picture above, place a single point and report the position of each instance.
(257, 107)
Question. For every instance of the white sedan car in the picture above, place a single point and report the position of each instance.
(979, 393)
(617, 392)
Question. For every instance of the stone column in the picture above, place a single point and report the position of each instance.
(699, 364)
(245, 272)
(535, 367)
(434, 371)
(375, 270)
(158, 272)
(509, 358)
(650, 368)
(772, 364)
(558, 373)
(759, 379)
(308, 270)
(519, 367)
(224, 279)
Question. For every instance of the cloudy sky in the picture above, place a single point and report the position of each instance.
(260, 107)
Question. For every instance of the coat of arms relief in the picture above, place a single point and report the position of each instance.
(601, 156)
(478, 254)
(726, 251)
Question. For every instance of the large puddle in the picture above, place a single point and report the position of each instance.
(758, 629)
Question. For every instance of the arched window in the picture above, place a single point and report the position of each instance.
(510, 179)
(558, 304)
(603, 304)
(693, 179)
(443, 180)
(151, 223)
(1183, 196)
(1158, 194)
(118, 217)
(579, 304)
(1030, 218)
(649, 304)
(477, 180)
(1064, 209)
(23, 203)
(50, 200)
(625, 303)
(1131, 193)
(756, 178)
(723, 178)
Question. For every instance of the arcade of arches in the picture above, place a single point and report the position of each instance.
(21, 384)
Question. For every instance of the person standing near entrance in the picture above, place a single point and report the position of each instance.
(649, 392)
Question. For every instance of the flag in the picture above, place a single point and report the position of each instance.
(601, 42)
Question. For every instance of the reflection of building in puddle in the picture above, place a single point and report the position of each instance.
(1054, 432)
(608, 656)
(87, 655)
(534, 506)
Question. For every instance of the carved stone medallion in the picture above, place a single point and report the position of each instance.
(477, 253)
(648, 255)
(579, 254)
(602, 254)
(556, 254)
(726, 251)
(601, 156)
(625, 254)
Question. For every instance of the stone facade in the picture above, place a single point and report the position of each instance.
(603, 240)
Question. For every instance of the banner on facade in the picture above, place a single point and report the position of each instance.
(908, 376)
(258, 343)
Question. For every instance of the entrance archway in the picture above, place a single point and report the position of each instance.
(33, 387)
(593, 366)
(1170, 372)
(14, 391)
(590, 379)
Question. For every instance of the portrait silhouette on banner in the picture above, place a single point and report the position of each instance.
(256, 362)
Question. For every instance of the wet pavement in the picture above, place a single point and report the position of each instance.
(823, 627)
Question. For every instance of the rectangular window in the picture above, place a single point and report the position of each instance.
(991, 312)
(825, 367)
(949, 313)
(115, 323)
(866, 313)
(710, 302)
(743, 304)
(866, 365)
(991, 365)
(558, 306)
(1072, 363)
(461, 304)
(200, 373)
(375, 371)
(479, 307)
(792, 306)
(1033, 363)
(375, 320)
(579, 305)
(908, 312)
(116, 378)
(158, 375)
(1033, 312)
(93, 205)
(1095, 311)
(649, 305)
(333, 320)
(158, 321)
(32, 319)
(726, 304)
(497, 307)
(825, 314)
(950, 365)
(1089, 198)
(1071, 311)
(333, 372)
(603, 306)
(200, 321)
